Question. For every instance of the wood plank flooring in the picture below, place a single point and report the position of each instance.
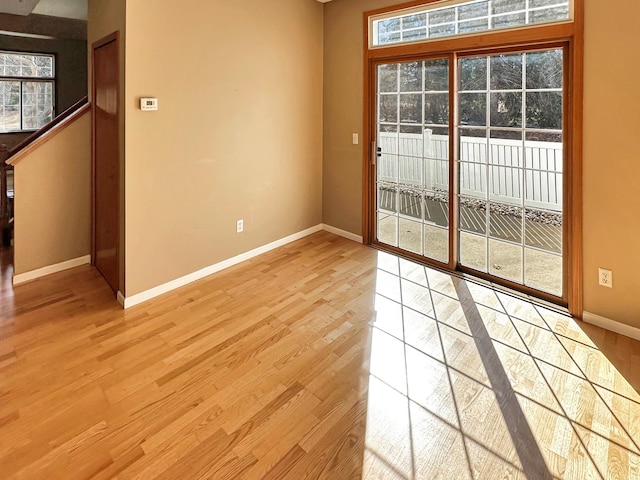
(323, 359)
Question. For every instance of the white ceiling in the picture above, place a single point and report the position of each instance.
(55, 8)
(63, 8)
(17, 7)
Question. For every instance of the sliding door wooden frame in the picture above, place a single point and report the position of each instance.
(569, 36)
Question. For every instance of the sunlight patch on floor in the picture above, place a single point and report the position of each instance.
(469, 382)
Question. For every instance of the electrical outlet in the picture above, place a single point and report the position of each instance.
(605, 277)
(239, 226)
(354, 138)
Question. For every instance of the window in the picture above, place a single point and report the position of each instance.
(26, 91)
(444, 19)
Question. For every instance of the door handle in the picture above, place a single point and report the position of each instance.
(376, 152)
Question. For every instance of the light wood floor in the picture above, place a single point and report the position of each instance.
(322, 359)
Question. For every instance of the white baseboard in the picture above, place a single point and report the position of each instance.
(342, 233)
(608, 324)
(120, 298)
(138, 298)
(58, 267)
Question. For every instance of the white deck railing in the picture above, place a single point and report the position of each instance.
(422, 161)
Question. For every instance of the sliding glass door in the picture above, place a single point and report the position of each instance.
(506, 223)
(510, 167)
(412, 132)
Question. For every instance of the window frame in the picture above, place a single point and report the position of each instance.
(425, 6)
(21, 80)
(569, 35)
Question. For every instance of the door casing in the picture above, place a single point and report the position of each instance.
(569, 36)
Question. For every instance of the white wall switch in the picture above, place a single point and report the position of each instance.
(354, 138)
(148, 104)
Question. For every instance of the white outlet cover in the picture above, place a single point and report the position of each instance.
(604, 274)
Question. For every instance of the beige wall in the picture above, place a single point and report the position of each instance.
(238, 133)
(104, 18)
(52, 200)
(612, 158)
(611, 176)
(343, 109)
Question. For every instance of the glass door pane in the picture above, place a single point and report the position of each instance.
(510, 167)
(412, 175)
